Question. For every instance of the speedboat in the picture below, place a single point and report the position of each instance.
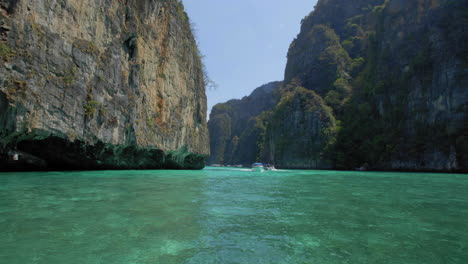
(258, 167)
(269, 167)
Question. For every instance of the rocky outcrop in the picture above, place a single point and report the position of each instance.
(387, 82)
(237, 128)
(393, 72)
(93, 84)
(299, 131)
(411, 97)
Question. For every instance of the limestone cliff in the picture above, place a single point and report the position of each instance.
(394, 73)
(299, 130)
(100, 84)
(411, 96)
(237, 128)
(374, 84)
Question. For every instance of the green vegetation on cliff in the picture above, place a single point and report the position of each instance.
(395, 119)
(301, 127)
(386, 82)
(238, 127)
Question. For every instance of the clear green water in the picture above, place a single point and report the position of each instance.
(223, 215)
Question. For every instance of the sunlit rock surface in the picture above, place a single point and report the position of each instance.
(100, 77)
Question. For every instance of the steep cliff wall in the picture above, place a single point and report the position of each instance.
(299, 130)
(237, 128)
(109, 82)
(411, 98)
(394, 73)
(377, 84)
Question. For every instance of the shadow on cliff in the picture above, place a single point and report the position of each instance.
(35, 151)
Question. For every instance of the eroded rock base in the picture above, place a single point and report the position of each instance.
(35, 152)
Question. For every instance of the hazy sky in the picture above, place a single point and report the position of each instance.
(245, 42)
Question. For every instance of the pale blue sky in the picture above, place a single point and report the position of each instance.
(245, 42)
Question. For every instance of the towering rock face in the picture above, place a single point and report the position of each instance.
(412, 95)
(379, 84)
(237, 128)
(300, 129)
(111, 84)
(394, 73)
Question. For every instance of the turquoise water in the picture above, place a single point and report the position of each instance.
(222, 215)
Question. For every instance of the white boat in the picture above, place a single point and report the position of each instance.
(258, 167)
(261, 167)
